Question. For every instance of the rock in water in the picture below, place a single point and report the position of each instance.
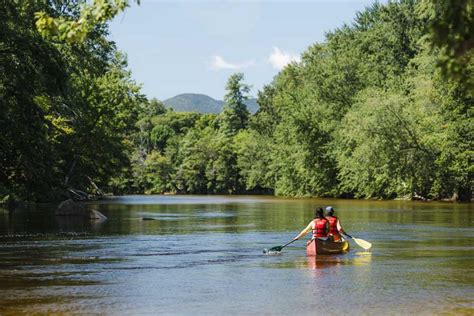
(71, 208)
(97, 216)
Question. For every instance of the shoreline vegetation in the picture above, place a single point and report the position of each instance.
(382, 109)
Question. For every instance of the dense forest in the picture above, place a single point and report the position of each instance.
(381, 109)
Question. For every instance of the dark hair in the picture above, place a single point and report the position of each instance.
(318, 212)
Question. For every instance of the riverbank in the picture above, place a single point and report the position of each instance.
(12, 205)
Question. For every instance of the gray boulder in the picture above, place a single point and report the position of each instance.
(71, 208)
(97, 216)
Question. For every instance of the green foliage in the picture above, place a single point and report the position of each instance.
(367, 113)
(68, 113)
(208, 163)
(74, 29)
(32, 78)
(152, 108)
(235, 115)
(255, 161)
(159, 170)
(389, 144)
(451, 24)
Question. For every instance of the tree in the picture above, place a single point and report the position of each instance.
(235, 114)
(159, 173)
(255, 161)
(389, 144)
(68, 112)
(451, 30)
(74, 29)
(32, 79)
(367, 113)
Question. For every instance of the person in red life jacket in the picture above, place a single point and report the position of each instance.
(335, 228)
(319, 226)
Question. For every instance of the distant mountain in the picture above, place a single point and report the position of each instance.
(252, 105)
(193, 102)
(201, 103)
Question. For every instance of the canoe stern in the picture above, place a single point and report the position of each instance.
(319, 247)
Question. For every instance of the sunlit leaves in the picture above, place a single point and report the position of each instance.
(75, 29)
(451, 26)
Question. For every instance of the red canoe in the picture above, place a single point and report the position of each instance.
(320, 247)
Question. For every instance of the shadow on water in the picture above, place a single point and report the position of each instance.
(41, 221)
(77, 223)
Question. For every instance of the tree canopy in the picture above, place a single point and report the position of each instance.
(381, 109)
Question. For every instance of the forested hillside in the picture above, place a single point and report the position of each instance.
(201, 103)
(366, 114)
(193, 102)
(369, 113)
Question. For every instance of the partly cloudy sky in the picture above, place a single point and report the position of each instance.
(218, 63)
(278, 59)
(192, 46)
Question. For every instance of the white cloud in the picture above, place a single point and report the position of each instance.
(218, 63)
(279, 59)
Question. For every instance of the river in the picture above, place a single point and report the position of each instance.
(203, 255)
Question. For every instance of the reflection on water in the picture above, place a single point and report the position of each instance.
(325, 261)
(188, 254)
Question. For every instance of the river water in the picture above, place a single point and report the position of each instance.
(203, 255)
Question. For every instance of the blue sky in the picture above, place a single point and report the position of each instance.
(193, 46)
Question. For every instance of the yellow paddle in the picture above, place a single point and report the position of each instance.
(364, 244)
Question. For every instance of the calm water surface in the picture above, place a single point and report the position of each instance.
(203, 255)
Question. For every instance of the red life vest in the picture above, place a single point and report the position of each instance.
(320, 227)
(333, 225)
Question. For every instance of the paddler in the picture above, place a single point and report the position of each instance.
(319, 226)
(335, 228)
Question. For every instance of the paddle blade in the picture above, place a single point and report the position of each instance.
(277, 248)
(364, 244)
(273, 251)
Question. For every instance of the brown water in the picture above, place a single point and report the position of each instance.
(203, 255)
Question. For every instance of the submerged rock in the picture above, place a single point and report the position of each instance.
(97, 216)
(71, 208)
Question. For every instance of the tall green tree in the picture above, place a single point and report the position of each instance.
(32, 80)
(235, 115)
(451, 31)
(68, 111)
